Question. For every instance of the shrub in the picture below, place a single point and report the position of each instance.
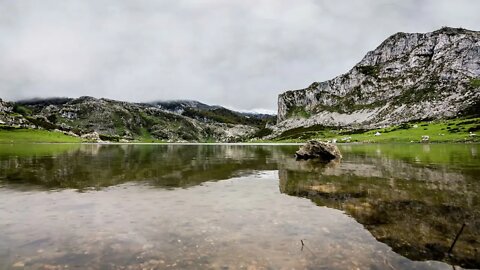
(475, 82)
(297, 111)
(21, 110)
(262, 133)
(369, 70)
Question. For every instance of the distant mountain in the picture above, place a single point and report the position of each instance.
(117, 120)
(179, 106)
(214, 113)
(44, 101)
(410, 76)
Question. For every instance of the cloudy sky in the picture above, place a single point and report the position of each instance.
(236, 53)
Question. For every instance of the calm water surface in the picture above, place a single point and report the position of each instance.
(238, 207)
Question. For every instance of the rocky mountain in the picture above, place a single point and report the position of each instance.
(410, 76)
(110, 120)
(179, 106)
(9, 116)
(214, 113)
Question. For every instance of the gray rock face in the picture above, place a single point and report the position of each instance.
(9, 118)
(320, 150)
(408, 77)
(94, 137)
(105, 119)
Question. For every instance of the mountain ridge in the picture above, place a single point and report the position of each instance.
(112, 120)
(408, 77)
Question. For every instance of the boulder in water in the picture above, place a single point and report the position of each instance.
(318, 150)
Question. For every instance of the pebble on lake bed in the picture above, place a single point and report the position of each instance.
(18, 264)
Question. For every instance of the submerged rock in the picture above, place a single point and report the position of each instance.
(319, 150)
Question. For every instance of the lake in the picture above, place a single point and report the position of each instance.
(169, 206)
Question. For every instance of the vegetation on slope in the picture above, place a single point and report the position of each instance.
(118, 121)
(452, 130)
(223, 115)
(35, 136)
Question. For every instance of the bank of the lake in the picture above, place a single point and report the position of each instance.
(440, 131)
(18, 135)
(444, 131)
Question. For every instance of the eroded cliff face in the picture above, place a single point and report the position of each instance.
(408, 77)
(9, 117)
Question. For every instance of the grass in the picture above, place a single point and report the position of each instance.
(454, 130)
(475, 82)
(35, 136)
(17, 136)
(21, 110)
(145, 136)
(443, 131)
(147, 140)
(297, 111)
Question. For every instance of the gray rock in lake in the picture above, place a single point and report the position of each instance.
(318, 150)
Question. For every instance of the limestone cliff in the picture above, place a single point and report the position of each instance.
(410, 76)
(9, 116)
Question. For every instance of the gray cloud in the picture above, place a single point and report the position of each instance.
(237, 53)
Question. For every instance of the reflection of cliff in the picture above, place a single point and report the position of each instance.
(95, 166)
(415, 210)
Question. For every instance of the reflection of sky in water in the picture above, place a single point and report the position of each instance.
(241, 222)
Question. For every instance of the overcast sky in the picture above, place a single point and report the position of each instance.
(236, 53)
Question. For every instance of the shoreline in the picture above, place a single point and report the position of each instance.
(234, 144)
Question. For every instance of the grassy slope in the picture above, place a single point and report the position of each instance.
(437, 132)
(35, 136)
(454, 130)
(43, 136)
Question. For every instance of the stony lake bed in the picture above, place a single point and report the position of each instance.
(114, 206)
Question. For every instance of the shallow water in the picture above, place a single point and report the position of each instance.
(237, 207)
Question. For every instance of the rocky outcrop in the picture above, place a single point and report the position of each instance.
(318, 150)
(110, 120)
(408, 77)
(4, 107)
(9, 117)
(93, 137)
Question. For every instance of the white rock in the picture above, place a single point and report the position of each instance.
(18, 264)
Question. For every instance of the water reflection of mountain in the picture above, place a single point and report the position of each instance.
(412, 198)
(416, 210)
(96, 166)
